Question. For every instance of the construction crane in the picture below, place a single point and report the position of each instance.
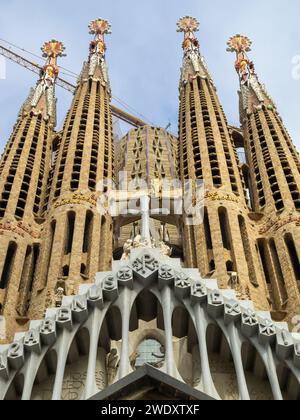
(36, 68)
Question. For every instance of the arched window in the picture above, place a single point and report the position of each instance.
(150, 352)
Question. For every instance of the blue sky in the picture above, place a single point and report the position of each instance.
(144, 52)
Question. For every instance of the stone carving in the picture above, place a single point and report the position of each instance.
(139, 242)
(250, 318)
(275, 225)
(166, 273)
(242, 293)
(125, 274)
(133, 358)
(98, 28)
(75, 377)
(194, 64)
(32, 341)
(64, 318)
(145, 264)
(128, 246)
(95, 296)
(2, 328)
(48, 331)
(182, 285)
(19, 229)
(112, 363)
(59, 295)
(182, 281)
(232, 309)
(125, 277)
(216, 196)
(45, 87)
(199, 292)
(267, 327)
(165, 250)
(15, 355)
(246, 71)
(110, 288)
(190, 45)
(78, 198)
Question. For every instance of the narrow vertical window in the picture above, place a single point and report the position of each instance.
(293, 255)
(8, 265)
(70, 233)
(279, 273)
(224, 225)
(88, 232)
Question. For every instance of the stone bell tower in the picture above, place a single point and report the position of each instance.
(24, 170)
(79, 238)
(221, 245)
(274, 170)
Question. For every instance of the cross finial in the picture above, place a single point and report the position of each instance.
(100, 27)
(188, 24)
(53, 49)
(239, 43)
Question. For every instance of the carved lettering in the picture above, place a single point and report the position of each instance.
(48, 326)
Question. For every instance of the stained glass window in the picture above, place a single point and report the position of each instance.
(150, 352)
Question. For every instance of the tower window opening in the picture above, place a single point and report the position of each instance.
(87, 232)
(247, 251)
(263, 257)
(224, 225)
(279, 274)
(8, 265)
(66, 271)
(70, 232)
(230, 266)
(293, 255)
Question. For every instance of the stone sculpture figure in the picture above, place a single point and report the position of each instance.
(113, 361)
(59, 295)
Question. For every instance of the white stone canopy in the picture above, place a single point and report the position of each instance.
(174, 287)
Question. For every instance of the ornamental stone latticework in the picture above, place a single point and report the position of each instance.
(149, 302)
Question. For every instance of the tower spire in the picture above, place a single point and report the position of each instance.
(253, 93)
(43, 100)
(207, 153)
(99, 28)
(193, 63)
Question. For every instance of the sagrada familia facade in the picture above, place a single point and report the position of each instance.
(147, 304)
